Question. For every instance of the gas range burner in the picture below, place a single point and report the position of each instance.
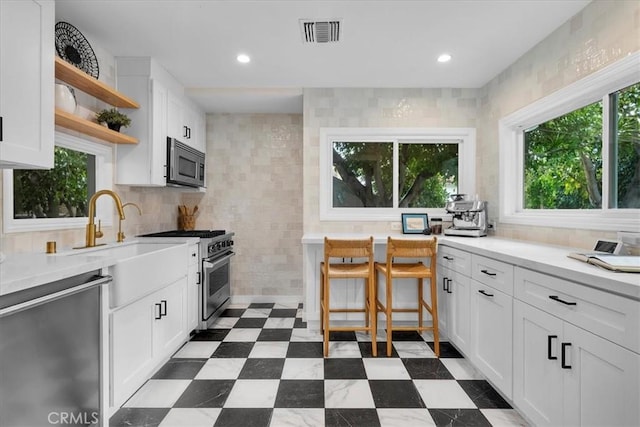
(204, 234)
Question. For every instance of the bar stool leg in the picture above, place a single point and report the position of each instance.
(326, 316)
(420, 302)
(367, 303)
(373, 312)
(389, 314)
(321, 300)
(434, 316)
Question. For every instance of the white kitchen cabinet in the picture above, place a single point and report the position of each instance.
(193, 291)
(564, 375)
(26, 84)
(185, 122)
(491, 341)
(443, 301)
(143, 335)
(454, 288)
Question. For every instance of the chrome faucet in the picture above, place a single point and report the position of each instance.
(92, 233)
(121, 235)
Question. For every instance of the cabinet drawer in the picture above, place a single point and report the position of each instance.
(455, 259)
(609, 316)
(496, 274)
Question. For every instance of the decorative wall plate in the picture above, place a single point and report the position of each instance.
(74, 48)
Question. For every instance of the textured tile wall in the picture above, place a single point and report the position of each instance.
(254, 188)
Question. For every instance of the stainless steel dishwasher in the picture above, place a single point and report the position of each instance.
(50, 354)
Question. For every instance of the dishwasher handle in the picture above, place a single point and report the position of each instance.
(96, 281)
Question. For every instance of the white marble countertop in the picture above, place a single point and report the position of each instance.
(546, 259)
(27, 270)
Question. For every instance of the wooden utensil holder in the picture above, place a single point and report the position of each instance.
(186, 222)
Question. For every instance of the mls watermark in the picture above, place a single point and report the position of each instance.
(73, 418)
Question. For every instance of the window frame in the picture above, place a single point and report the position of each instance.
(464, 137)
(592, 88)
(103, 177)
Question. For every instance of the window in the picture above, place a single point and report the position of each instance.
(572, 158)
(375, 174)
(58, 198)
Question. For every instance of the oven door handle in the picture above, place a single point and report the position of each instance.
(217, 263)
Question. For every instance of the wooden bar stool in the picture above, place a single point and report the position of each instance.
(335, 248)
(396, 248)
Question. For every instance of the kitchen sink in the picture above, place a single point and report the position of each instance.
(139, 268)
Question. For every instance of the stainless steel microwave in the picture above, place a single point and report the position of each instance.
(185, 165)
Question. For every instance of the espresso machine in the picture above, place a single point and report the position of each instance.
(469, 217)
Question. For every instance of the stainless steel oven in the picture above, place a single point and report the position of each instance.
(216, 284)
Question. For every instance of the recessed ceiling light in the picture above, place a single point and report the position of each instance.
(243, 58)
(445, 57)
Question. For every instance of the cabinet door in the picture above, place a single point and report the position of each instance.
(192, 298)
(26, 84)
(458, 310)
(443, 300)
(491, 335)
(602, 384)
(537, 372)
(169, 329)
(132, 357)
(176, 127)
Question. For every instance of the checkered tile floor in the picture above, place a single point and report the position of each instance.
(260, 366)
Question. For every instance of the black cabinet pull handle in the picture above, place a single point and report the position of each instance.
(0, 128)
(159, 311)
(549, 339)
(557, 298)
(449, 286)
(163, 309)
(487, 273)
(444, 283)
(188, 133)
(564, 355)
(485, 293)
(198, 282)
(447, 258)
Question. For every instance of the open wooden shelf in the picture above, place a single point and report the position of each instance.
(94, 87)
(70, 121)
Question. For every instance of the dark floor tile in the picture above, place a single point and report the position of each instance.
(298, 323)
(305, 349)
(447, 350)
(261, 305)
(284, 312)
(233, 312)
(210, 335)
(262, 369)
(180, 369)
(347, 368)
(300, 394)
(395, 394)
(483, 394)
(244, 417)
(351, 418)
(427, 369)
(233, 349)
(365, 349)
(150, 417)
(459, 418)
(275, 335)
(342, 336)
(406, 336)
(205, 394)
(250, 322)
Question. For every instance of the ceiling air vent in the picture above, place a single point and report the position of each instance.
(320, 31)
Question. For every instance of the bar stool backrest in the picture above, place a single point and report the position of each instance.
(405, 248)
(352, 248)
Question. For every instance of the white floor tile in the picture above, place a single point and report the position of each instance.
(504, 417)
(257, 312)
(224, 323)
(221, 369)
(339, 349)
(191, 417)
(443, 394)
(347, 394)
(279, 323)
(412, 349)
(197, 349)
(297, 417)
(461, 369)
(253, 394)
(404, 417)
(428, 336)
(303, 369)
(305, 335)
(270, 349)
(286, 305)
(365, 337)
(385, 369)
(158, 394)
(243, 335)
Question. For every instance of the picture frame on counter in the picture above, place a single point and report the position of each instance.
(414, 223)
